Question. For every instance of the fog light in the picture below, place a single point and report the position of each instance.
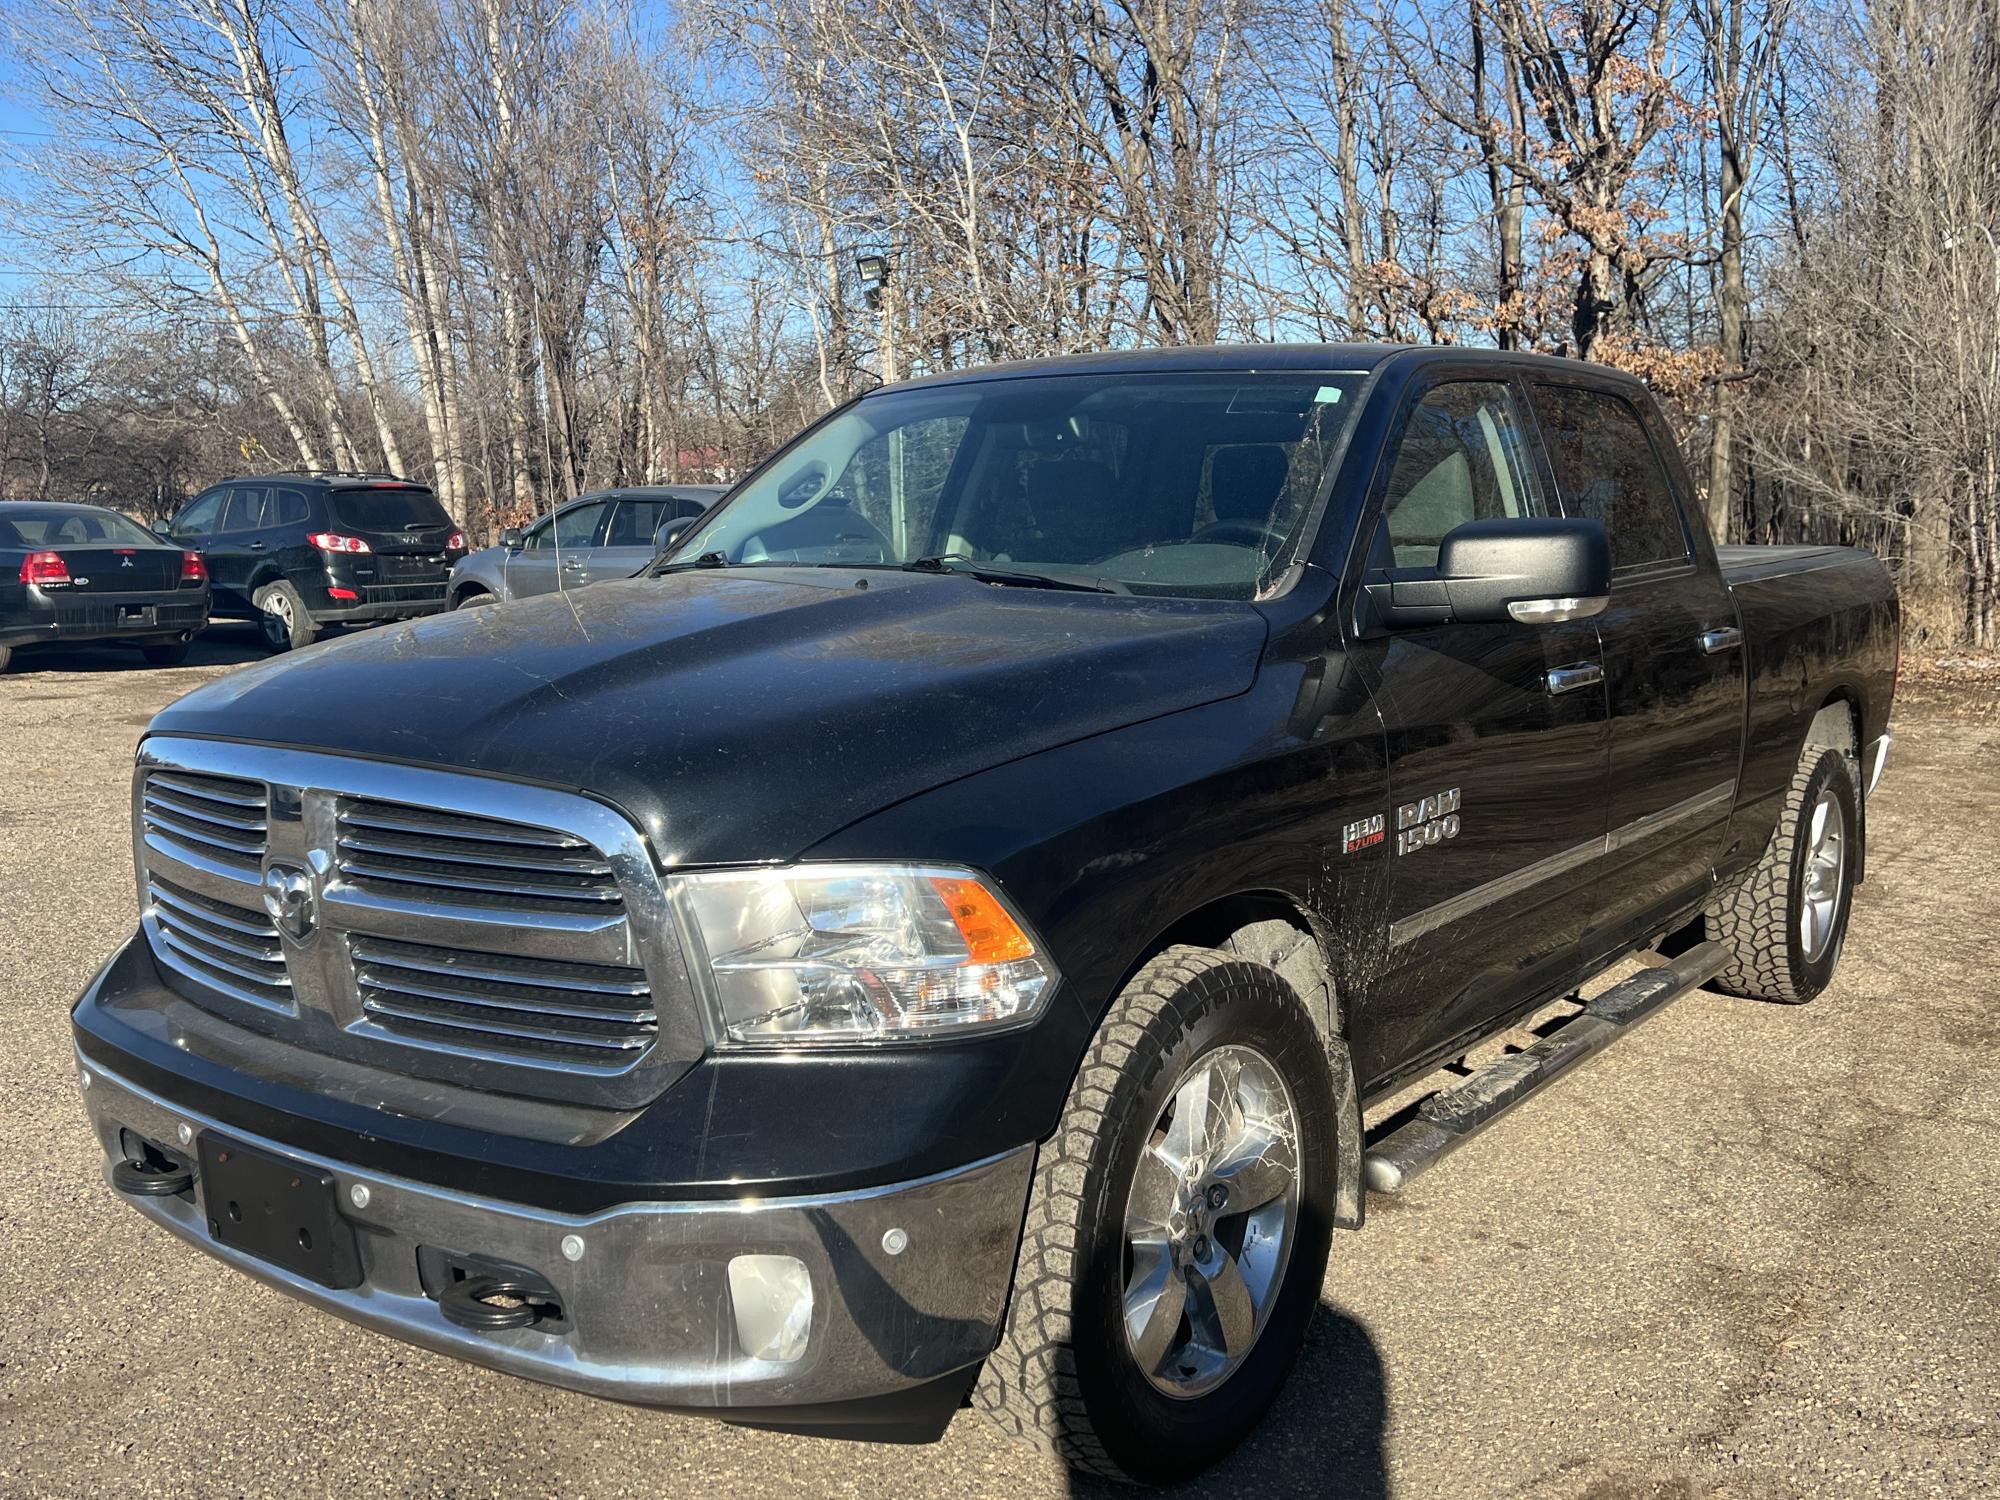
(773, 1301)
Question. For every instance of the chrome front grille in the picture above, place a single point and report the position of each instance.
(444, 925)
(414, 850)
(597, 1014)
(233, 948)
(219, 818)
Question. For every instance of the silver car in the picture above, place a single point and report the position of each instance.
(607, 534)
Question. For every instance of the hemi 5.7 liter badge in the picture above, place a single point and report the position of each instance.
(1364, 833)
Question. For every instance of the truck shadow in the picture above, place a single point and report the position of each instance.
(1323, 1439)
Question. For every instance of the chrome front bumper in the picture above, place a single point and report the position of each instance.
(909, 1282)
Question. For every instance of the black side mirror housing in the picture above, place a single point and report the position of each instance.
(1533, 570)
(510, 538)
(671, 532)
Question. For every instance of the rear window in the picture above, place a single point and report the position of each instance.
(388, 509)
(27, 526)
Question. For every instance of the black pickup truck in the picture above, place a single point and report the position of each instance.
(933, 940)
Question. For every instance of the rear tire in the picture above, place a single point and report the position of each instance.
(1784, 923)
(6, 656)
(472, 599)
(164, 653)
(1160, 1296)
(286, 624)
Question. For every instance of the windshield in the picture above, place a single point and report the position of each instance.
(1189, 484)
(388, 509)
(33, 526)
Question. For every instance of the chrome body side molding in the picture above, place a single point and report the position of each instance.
(1414, 926)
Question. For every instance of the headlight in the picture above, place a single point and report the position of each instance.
(862, 953)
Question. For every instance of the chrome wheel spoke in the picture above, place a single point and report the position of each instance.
(1254, 1166)
(1156, 1189)
(1227, 1309)
(1155, 1304)
(1187, 1137)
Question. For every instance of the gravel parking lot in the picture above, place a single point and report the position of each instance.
(1751, 1252)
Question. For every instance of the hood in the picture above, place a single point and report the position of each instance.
(743, 716)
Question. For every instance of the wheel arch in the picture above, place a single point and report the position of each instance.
(1268, 927)
(1837, 726)
(1276, 930)
(262, 577)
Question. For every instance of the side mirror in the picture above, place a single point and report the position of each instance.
(671, 532)
(510, 538)
(1535, 570)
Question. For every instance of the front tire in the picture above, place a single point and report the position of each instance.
(1177, 1232)
(286, 623)
(1785, 922)
(6, 656)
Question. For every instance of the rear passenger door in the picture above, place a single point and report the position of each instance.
(1496, 807)
(1673, 655)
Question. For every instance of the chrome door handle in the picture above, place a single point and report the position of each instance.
(256, 546)
(1714, 642)
(573, 563)
(1569, 679)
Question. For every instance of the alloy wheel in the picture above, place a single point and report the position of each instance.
(1209, 1221)
(1826, 865)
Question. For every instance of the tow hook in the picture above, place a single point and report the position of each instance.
(145, 1180)
(489, 1304)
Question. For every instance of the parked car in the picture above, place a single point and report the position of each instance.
(936, 938)
(301, 552)
(603, 535)
(72, 573)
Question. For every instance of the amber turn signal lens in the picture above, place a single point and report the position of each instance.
(991, 936)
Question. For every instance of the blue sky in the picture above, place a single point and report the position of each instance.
(20, 128)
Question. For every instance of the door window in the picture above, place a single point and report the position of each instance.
(245, 510)
(575, 527)
(288, 508)
(1609, 470)
(199, 518)
(634, 522)
(1461, 458)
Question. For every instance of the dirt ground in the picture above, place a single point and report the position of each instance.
(1750, 1252)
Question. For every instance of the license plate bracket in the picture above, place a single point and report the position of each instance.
(278, 1210)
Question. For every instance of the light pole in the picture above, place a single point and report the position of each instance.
(878, 286)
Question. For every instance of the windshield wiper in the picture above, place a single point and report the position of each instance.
(971, 567)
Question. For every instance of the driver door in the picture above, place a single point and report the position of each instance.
(1496, 736)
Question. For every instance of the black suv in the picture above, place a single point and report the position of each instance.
(299, 552)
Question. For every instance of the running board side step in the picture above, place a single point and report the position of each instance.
(1451, 1117)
